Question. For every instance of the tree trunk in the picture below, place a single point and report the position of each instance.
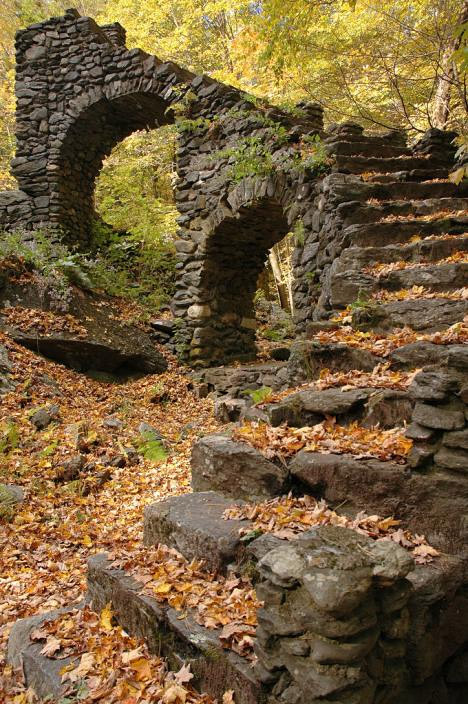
(280, 287)
(447, 77)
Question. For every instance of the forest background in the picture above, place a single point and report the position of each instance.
(384, 63)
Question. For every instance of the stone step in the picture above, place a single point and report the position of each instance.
(350, 285)
(365, 147)
(356, 212)
(432, 250)
(236, 380)
(235, 469)
(430, 504)
(421, 315)
(173, 634)
(41, 674)
(414, 190)
(370, 407)
(310, 356)
(362, 164)
(385, 233)
(194, 525)
(415, 175)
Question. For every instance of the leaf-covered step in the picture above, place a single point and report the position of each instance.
(421, 315)
(397, 190)
(194, 525)
(362, 164)
(385, 233)
(365, 147)
(176, 633)
(361, 287)
(428, 249)
(359, 213)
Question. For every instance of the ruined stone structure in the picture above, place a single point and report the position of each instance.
(345, 619)
(80, 91)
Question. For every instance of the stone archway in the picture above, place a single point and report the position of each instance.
(80, 91)
(235, 254)
(91, 136)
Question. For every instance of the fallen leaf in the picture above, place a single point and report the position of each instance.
(184, 675)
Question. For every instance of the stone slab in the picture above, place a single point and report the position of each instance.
(194, 525)
(181, 640)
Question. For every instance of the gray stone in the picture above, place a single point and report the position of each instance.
(458, 439)
(432, 386)
(443, 417)
(45, 416)
(235, 469)
(194, 525)
(452, 459)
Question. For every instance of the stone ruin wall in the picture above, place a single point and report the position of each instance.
(80, 92)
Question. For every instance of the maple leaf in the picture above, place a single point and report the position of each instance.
(184, 675)
(142, 667)
(175, 694)
(86, 663)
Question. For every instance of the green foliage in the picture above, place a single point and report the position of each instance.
(151, 448)
(250, 157)
(200, 123)
(314, 155)
(362, 302)
(9, 438)
(299, 233)
(259, 395)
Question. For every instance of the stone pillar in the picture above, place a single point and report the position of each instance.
(334, 620)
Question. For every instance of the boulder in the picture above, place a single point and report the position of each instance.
(98, 341)
(235, 469)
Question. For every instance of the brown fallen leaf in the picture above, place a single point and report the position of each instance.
(184, 675)
(51, 646)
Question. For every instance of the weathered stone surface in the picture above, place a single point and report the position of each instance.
(456, 459)
(105, 343)
(235, 469)
(433, 504)
(182, 641)
(194, 525)
(442, 417)
(432, 386)
(5, 369)
(310, 407)
(458, 439)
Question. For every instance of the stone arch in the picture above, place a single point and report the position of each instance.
(257, 214)
(80, 91)
(96, 124)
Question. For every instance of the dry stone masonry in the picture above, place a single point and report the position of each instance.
(80, 91)
(345, 619)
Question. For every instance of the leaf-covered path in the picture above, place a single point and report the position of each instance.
(61, 523)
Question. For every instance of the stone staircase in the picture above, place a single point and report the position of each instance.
(345, 619)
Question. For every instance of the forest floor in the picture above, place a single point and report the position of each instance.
(44, 548)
